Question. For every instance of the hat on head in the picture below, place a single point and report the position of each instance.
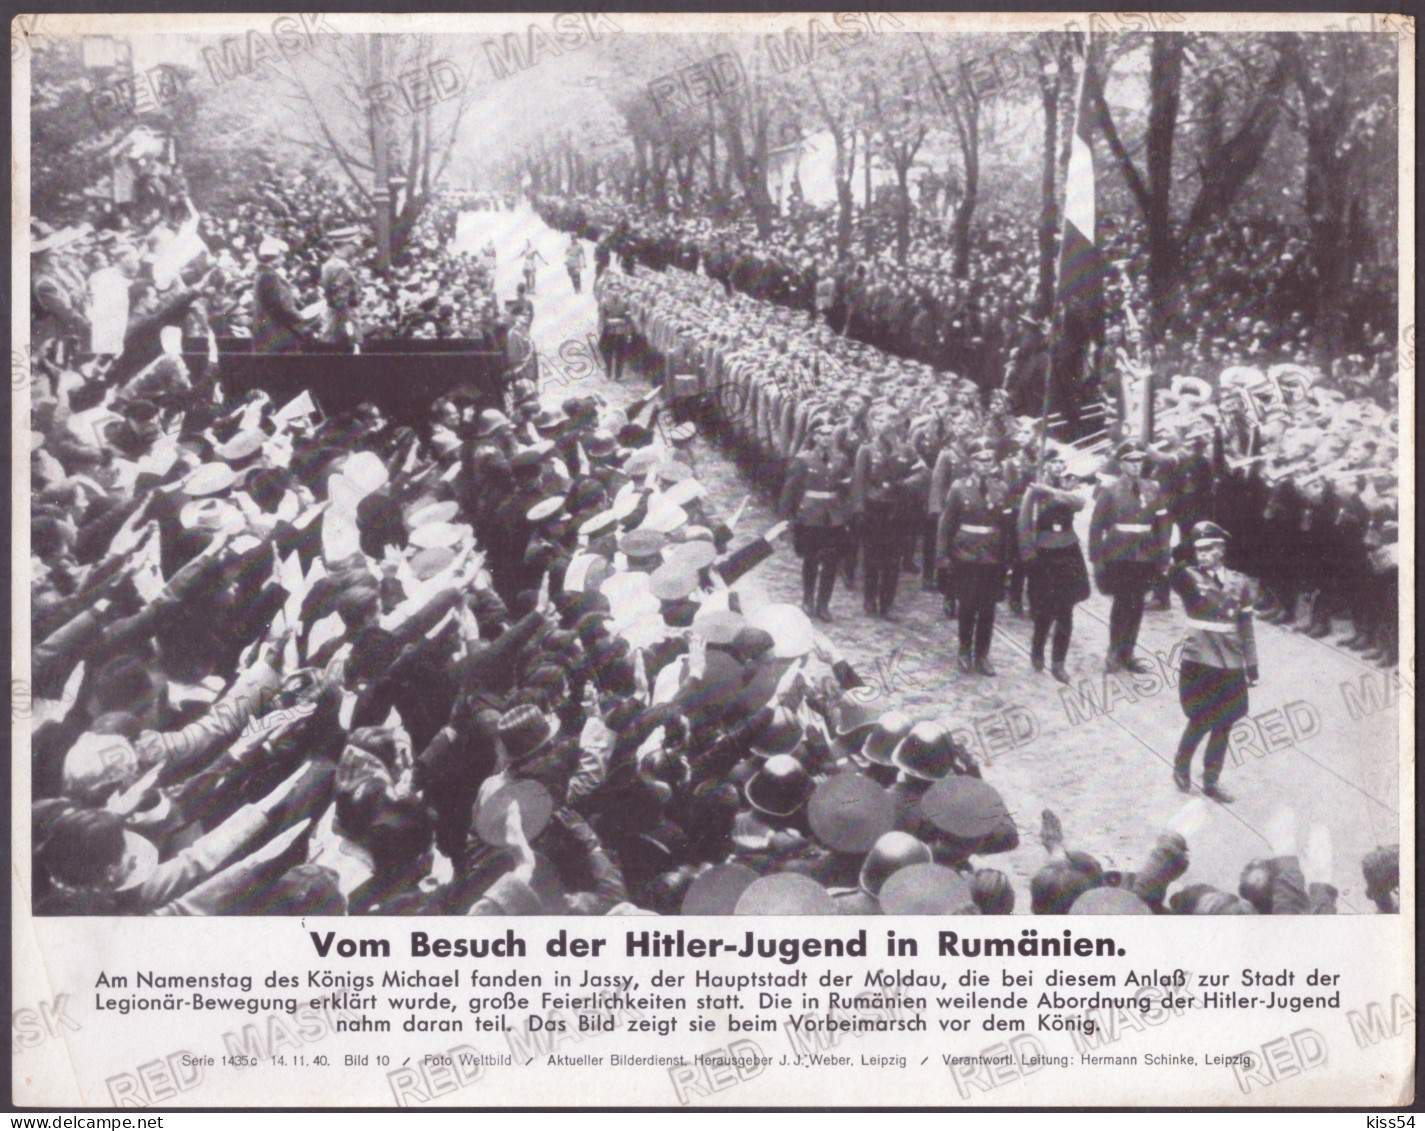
(550, 419)
(1109, 901)
(982, 446)
(718, 626)
(433, 534)
(642, 544)
(435, 512)
(927, 752)
(209, 479)
(716, 891)
(969, 809)
(785, 893)
(640, 461)
(891, 852)
(529, 797)
(781, 734)
(692, 555)
(885, 736)
(673, 581)
(428, 562)
(789, 627)
(850, 812)
(525, 730)
(600, 445)
(926, 889)
(853, 720)
(96, 762)
(752, 644)
(599, 524)
(664, 517)
(673, 471)
(780, 787)
(1129, 449)
(492, 421)
(1207, 532)
(545, 508)
(271, 248)
(344, 234)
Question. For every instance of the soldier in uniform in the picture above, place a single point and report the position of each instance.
(1219, 657)
(974, 535)
(341, 290)
(814, 498)
(882, 465)
(1053, 561)
(1128, 542)
(574, 263)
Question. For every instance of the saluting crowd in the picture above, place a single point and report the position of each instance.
(501, 662)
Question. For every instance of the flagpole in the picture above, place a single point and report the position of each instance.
(1056, 320)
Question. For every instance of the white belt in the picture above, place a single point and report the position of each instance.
(978, 529)
(821, 494)
(1210, 625)
(1058, 526)
(1134, 527)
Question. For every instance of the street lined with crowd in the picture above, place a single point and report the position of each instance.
(287, 662)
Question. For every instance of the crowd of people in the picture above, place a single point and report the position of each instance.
(1250, 304)
(291, 265)
(1301, 466)
(293, 666)
(286, 662)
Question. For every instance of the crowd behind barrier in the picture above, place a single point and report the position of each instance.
(287, 662)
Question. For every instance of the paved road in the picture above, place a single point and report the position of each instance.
(1315, 770)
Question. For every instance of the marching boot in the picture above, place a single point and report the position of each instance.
(1059, 672)
(966, 662)
(984, 667)
(1218, 794)
(1036, 661)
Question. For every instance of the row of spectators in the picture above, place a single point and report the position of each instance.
(100, 286)
(1250, 303)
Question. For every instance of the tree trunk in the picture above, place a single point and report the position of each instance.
(967, 126)
(902, 211)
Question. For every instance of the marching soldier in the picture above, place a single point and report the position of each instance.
(881, 468)
(1219, 657)
(1128, 542)
(1053, 561)
(974, 536)
(815, 498)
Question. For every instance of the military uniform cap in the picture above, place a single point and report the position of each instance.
(1207, 532)
(642, 543)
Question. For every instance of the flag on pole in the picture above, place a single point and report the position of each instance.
(1079, 298)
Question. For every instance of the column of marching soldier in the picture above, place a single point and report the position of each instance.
(877, 461)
